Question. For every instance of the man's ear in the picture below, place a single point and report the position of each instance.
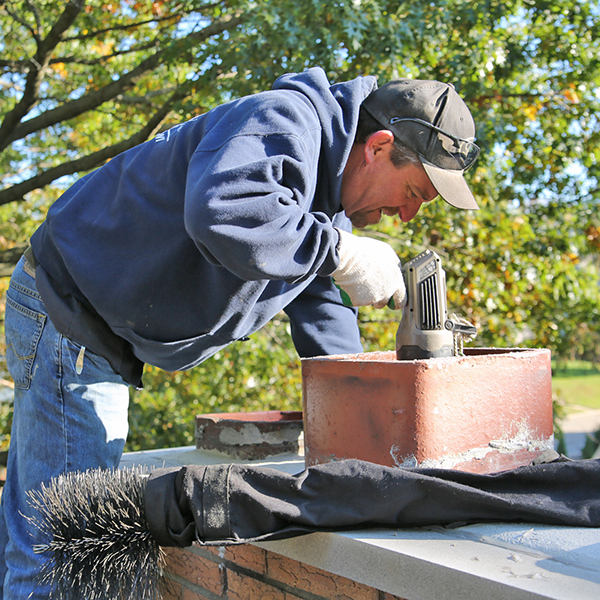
(378, 144)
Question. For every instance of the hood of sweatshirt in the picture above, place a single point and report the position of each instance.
(337, 107)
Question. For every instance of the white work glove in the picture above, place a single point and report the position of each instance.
(369, 272)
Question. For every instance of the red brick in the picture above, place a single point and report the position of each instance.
(196, 569)
(387, 596)
(216, 550)
(191, 595)
(316, 581)
(248, 556)
(171, 590)
(242, 587)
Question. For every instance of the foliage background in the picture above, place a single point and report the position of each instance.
(82, 81)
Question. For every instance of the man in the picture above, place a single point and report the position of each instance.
(195, 239)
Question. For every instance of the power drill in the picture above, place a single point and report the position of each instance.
(425, 329)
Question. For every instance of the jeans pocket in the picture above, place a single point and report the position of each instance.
(23, 328)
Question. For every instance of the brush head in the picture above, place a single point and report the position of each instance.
(97, 544)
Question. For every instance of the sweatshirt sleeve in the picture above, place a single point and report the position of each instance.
(248, 208)
(320, 323)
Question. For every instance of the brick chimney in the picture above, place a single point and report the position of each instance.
(484, 412)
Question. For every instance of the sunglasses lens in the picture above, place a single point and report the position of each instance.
(464, 152)
(436, 145)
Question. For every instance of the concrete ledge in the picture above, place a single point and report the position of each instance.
(499, 561)
(421, 564)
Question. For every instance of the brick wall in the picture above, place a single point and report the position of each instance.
(250, 573)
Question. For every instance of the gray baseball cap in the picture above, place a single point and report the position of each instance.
(430, 118)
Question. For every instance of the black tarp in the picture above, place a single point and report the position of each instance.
(228, 504)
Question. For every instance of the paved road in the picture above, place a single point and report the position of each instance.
(575, 428)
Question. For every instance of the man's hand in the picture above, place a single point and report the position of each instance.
(369, 272)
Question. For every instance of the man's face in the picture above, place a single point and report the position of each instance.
(372, 185)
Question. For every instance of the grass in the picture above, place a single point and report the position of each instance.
(577, 384)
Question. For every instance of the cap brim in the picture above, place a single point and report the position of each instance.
(451, 186)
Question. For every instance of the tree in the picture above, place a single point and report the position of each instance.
(87, 80)
(83, 81)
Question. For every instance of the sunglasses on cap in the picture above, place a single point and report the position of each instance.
(461, 151)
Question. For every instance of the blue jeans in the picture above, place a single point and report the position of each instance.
(70, 414)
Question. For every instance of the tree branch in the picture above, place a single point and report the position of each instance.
(22, 22)
(13, 65)
(9, 258)
(93, 160)
(20, 65)
(94, 34)
(36, 72)
(38, 21)
(70, 60)
(94, 99)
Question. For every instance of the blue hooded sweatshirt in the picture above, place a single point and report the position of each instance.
(197, 238)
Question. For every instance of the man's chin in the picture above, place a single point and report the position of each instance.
(358, 224)
(359, 221)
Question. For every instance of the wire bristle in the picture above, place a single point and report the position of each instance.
(97, 544)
